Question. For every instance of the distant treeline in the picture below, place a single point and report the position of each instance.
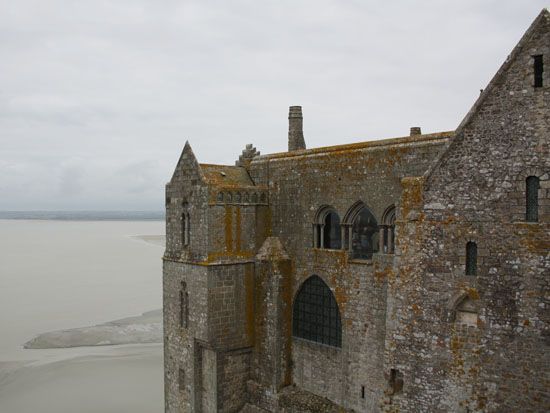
(85, 215)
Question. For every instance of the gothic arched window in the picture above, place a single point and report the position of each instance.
(532, 184)
(315, 314)
(327, 232)
(471, 258)
(332, 233)
(387, 231)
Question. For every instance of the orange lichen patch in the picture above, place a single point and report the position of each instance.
(458, 362)
(378, 144)
(238, 228)
(473, 293)
(340, 293)
(412, 194)
(449, 220)
(383, 274)
(219, 256)
(228, 228)
(224, 175)
(533, 237)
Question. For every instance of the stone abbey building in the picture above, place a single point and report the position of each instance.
(400, 275)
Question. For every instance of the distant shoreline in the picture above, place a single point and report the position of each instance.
(84, 215)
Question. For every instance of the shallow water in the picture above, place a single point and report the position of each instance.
(65, 274)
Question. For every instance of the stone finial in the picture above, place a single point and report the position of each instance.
(295, 129)
(415, 130)
(249, 153)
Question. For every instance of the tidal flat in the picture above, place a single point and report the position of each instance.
(61, 276)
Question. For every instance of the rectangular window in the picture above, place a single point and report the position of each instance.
(532, 184)
(396, 381)
(539, 70)
(471, 258)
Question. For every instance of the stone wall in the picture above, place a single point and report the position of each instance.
(299, 185)
(475, 194)
(180, 347)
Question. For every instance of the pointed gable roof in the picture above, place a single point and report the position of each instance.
(541, 20)
(187, 163)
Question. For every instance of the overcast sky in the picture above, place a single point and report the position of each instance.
(97, 98)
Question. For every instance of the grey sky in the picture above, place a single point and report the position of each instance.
(98, 97)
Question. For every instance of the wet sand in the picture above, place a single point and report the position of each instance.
(59, 276)
(146, 328)
(116, 379)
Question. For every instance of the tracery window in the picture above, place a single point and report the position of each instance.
(364, 235)
(532, 184)
(471, 258)
(315, 314)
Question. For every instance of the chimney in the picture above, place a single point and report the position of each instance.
(295, 129)
(415, 130)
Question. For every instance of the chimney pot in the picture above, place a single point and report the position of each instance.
(415, 130)
(295, 129)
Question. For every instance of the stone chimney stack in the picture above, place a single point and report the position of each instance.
(295, 129)
(415, 130)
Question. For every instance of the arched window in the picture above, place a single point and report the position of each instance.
(332, 236)
(466, 312)
(315, 314)
(532, 184)
(362, 232)
(471, 258)
(327, 232)
(387, 231)
(185, 228)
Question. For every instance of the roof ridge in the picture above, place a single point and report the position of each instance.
(359, 145)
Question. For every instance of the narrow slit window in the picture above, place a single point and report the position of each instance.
(539, 70)
(184, 305)
(184, 229)
(532, 184)
(181, 379)
(471, 258)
